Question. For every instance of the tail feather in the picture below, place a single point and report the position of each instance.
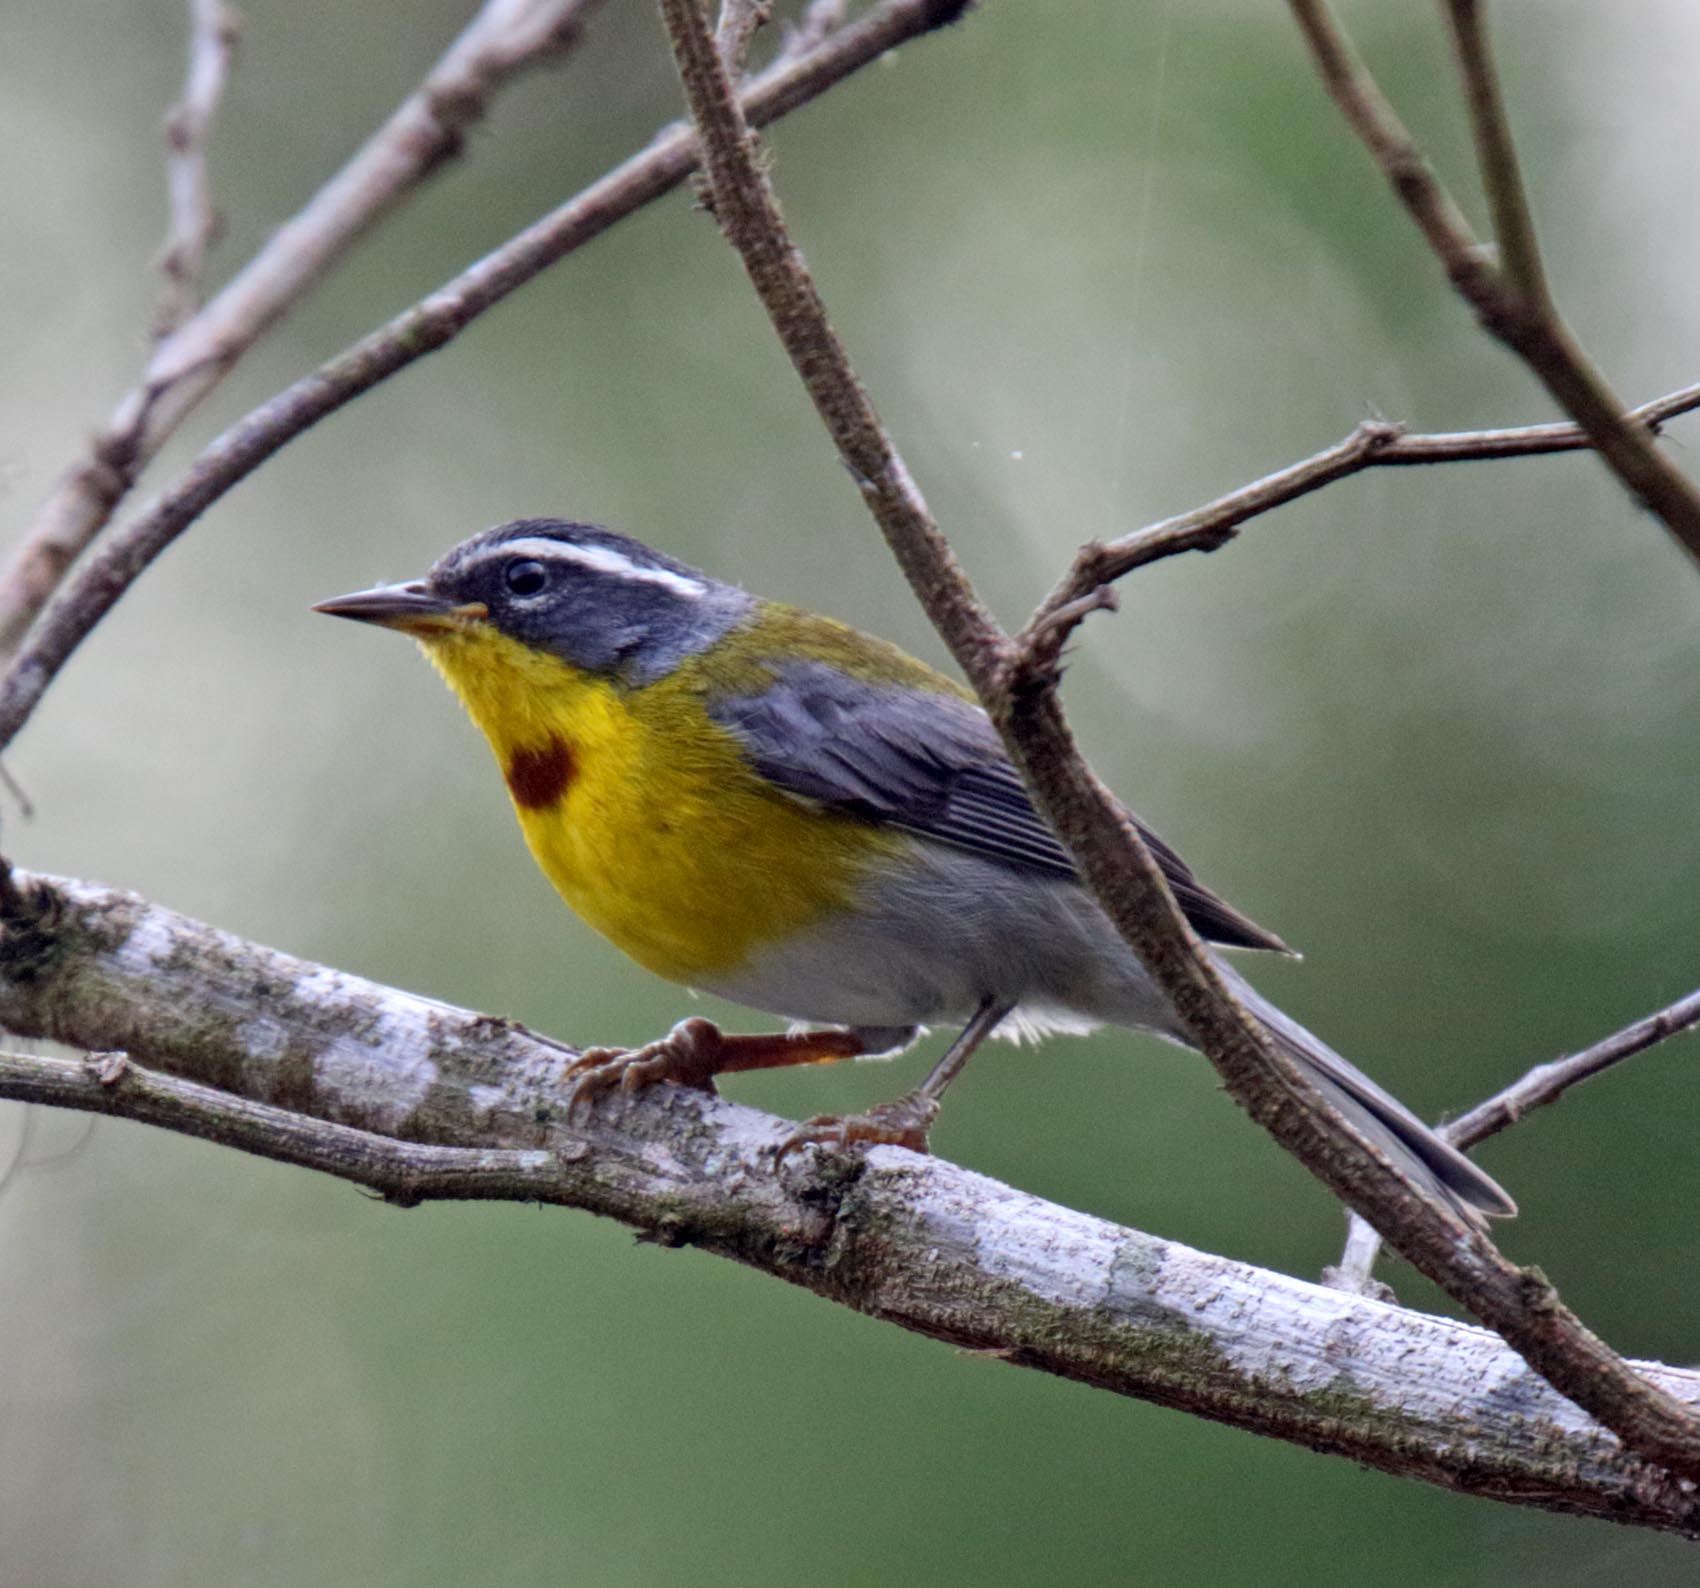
(1434, 1164)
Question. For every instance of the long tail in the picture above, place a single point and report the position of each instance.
(1439, 1168)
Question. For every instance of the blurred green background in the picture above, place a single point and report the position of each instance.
(1097, 264)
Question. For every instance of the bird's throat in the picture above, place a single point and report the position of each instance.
(644, 814)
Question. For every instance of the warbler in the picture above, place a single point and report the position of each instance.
(766, 804)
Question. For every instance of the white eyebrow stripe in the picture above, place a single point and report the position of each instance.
(603, 559)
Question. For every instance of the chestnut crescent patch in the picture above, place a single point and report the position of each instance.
(538, 777)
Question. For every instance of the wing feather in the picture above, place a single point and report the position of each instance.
(929, 763)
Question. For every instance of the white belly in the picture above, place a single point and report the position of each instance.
(928, 943)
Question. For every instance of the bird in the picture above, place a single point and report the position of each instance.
(766, 804)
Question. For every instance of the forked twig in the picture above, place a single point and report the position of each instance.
(663, 164)
(423, 132)
(1536, 1088)
(1374, 444)
(1512, 301)
(1521, 1305)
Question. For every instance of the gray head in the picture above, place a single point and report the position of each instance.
(600, 601)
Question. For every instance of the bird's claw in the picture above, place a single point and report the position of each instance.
(903, 1123)
(686, 1056)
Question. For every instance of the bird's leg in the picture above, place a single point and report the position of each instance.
(905, 1121)
(697, 1050)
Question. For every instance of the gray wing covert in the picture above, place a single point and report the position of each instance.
(930, 764)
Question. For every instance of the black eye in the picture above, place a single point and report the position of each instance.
(525, 578)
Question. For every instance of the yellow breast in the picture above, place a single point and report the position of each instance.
(643, 814)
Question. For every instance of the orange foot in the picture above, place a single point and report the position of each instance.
(903, 1123)
(685, 1056)
(693, 1053)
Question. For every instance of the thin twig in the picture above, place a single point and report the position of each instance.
(427, 326)
(1374, 444)
(1546, 1083)
(20, 795)
(1204, 528)
(1354, 1273)
(817, 22)
(1528, 324)
(416, 1098)
(193, 225)
(1372, 117)
(20, 1151)
(425, 131)
(1543, 1084)
(1526, 441)
(748, 213)
(402, 1172)
(739, 20)
(1520, 1304)
(1496, 156)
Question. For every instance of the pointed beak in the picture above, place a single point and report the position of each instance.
(411, 608)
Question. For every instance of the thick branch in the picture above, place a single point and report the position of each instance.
(1512, 303)
(418, 1099)
(420, 330)
(424, 131)
(1019, 688)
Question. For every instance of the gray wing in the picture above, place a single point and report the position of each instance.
(930, 764)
